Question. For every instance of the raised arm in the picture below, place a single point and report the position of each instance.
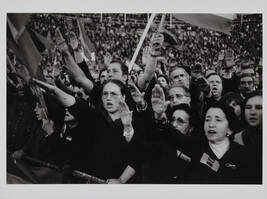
(150, 60)
(64, 98)
(75, 71)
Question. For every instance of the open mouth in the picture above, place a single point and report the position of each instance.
(109, 104)
(252, 119)
(211, 132)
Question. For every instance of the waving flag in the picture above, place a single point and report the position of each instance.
(30, 54)
(88, 46)
(217, 22)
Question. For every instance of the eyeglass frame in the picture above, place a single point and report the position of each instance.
(171, 97)
(112, 95)
(179, 121)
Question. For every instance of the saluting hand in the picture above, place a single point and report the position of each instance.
(159, 104)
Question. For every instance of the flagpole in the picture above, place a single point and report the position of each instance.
(75, 173)
(141, 40)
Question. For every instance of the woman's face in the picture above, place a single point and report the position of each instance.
(181, 121)
(253, 111)
(162, 81)
(39, 111)
(237, 108)
(111, 97)
(216, 125)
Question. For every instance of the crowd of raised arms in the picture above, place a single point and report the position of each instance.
(184, 114)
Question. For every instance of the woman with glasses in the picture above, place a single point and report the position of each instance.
(214, 158)
(116, 149)
(173, 164)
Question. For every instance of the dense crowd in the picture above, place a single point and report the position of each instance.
(185, 113)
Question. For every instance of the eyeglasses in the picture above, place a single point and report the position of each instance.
(113, 95)
(179, 121)
(177, 96)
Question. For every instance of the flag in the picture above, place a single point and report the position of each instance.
(88, 46)
(47, 43)
(169, 38)
(13, 46)
(21, 172)
(30, 54)
(217, 22)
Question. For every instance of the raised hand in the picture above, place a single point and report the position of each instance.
(159, 104)
(23, 73)
(60, 41)
(138, 97)
(157, 40)
(48, 126)
(50, 89)
(203, 85)
(107, 59)
(18, 155)
(64, 98)
(126, 114)
(221, 55)
(73, 41)
(145, 55)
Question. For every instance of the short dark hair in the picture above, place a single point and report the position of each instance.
(228, 111)
(165, 77)
(188, 110)
(124, 68)
(250, 95)
(101, 71)
(230, 96)
(242, 76)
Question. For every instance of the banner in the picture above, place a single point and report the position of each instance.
(217, 22)
(30, 54)
(88, 46)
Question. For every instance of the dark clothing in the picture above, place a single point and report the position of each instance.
(170, 166)
(111, 153)
(252, 141)
(206, 168)
(230, 85)
(21, 119)
(76, 148)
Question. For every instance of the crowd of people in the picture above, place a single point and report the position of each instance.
(189, 113)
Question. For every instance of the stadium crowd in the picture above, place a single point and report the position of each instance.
(186, 113)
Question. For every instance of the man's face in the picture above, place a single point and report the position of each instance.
(179, 78)
(215, 85)
(114, 72)
(177, 96)
(246, 85)
(248, 71)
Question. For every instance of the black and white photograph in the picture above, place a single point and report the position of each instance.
(145, 103)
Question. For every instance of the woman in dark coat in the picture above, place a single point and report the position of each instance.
(117, 146)
(215, 159)
(251, 137)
